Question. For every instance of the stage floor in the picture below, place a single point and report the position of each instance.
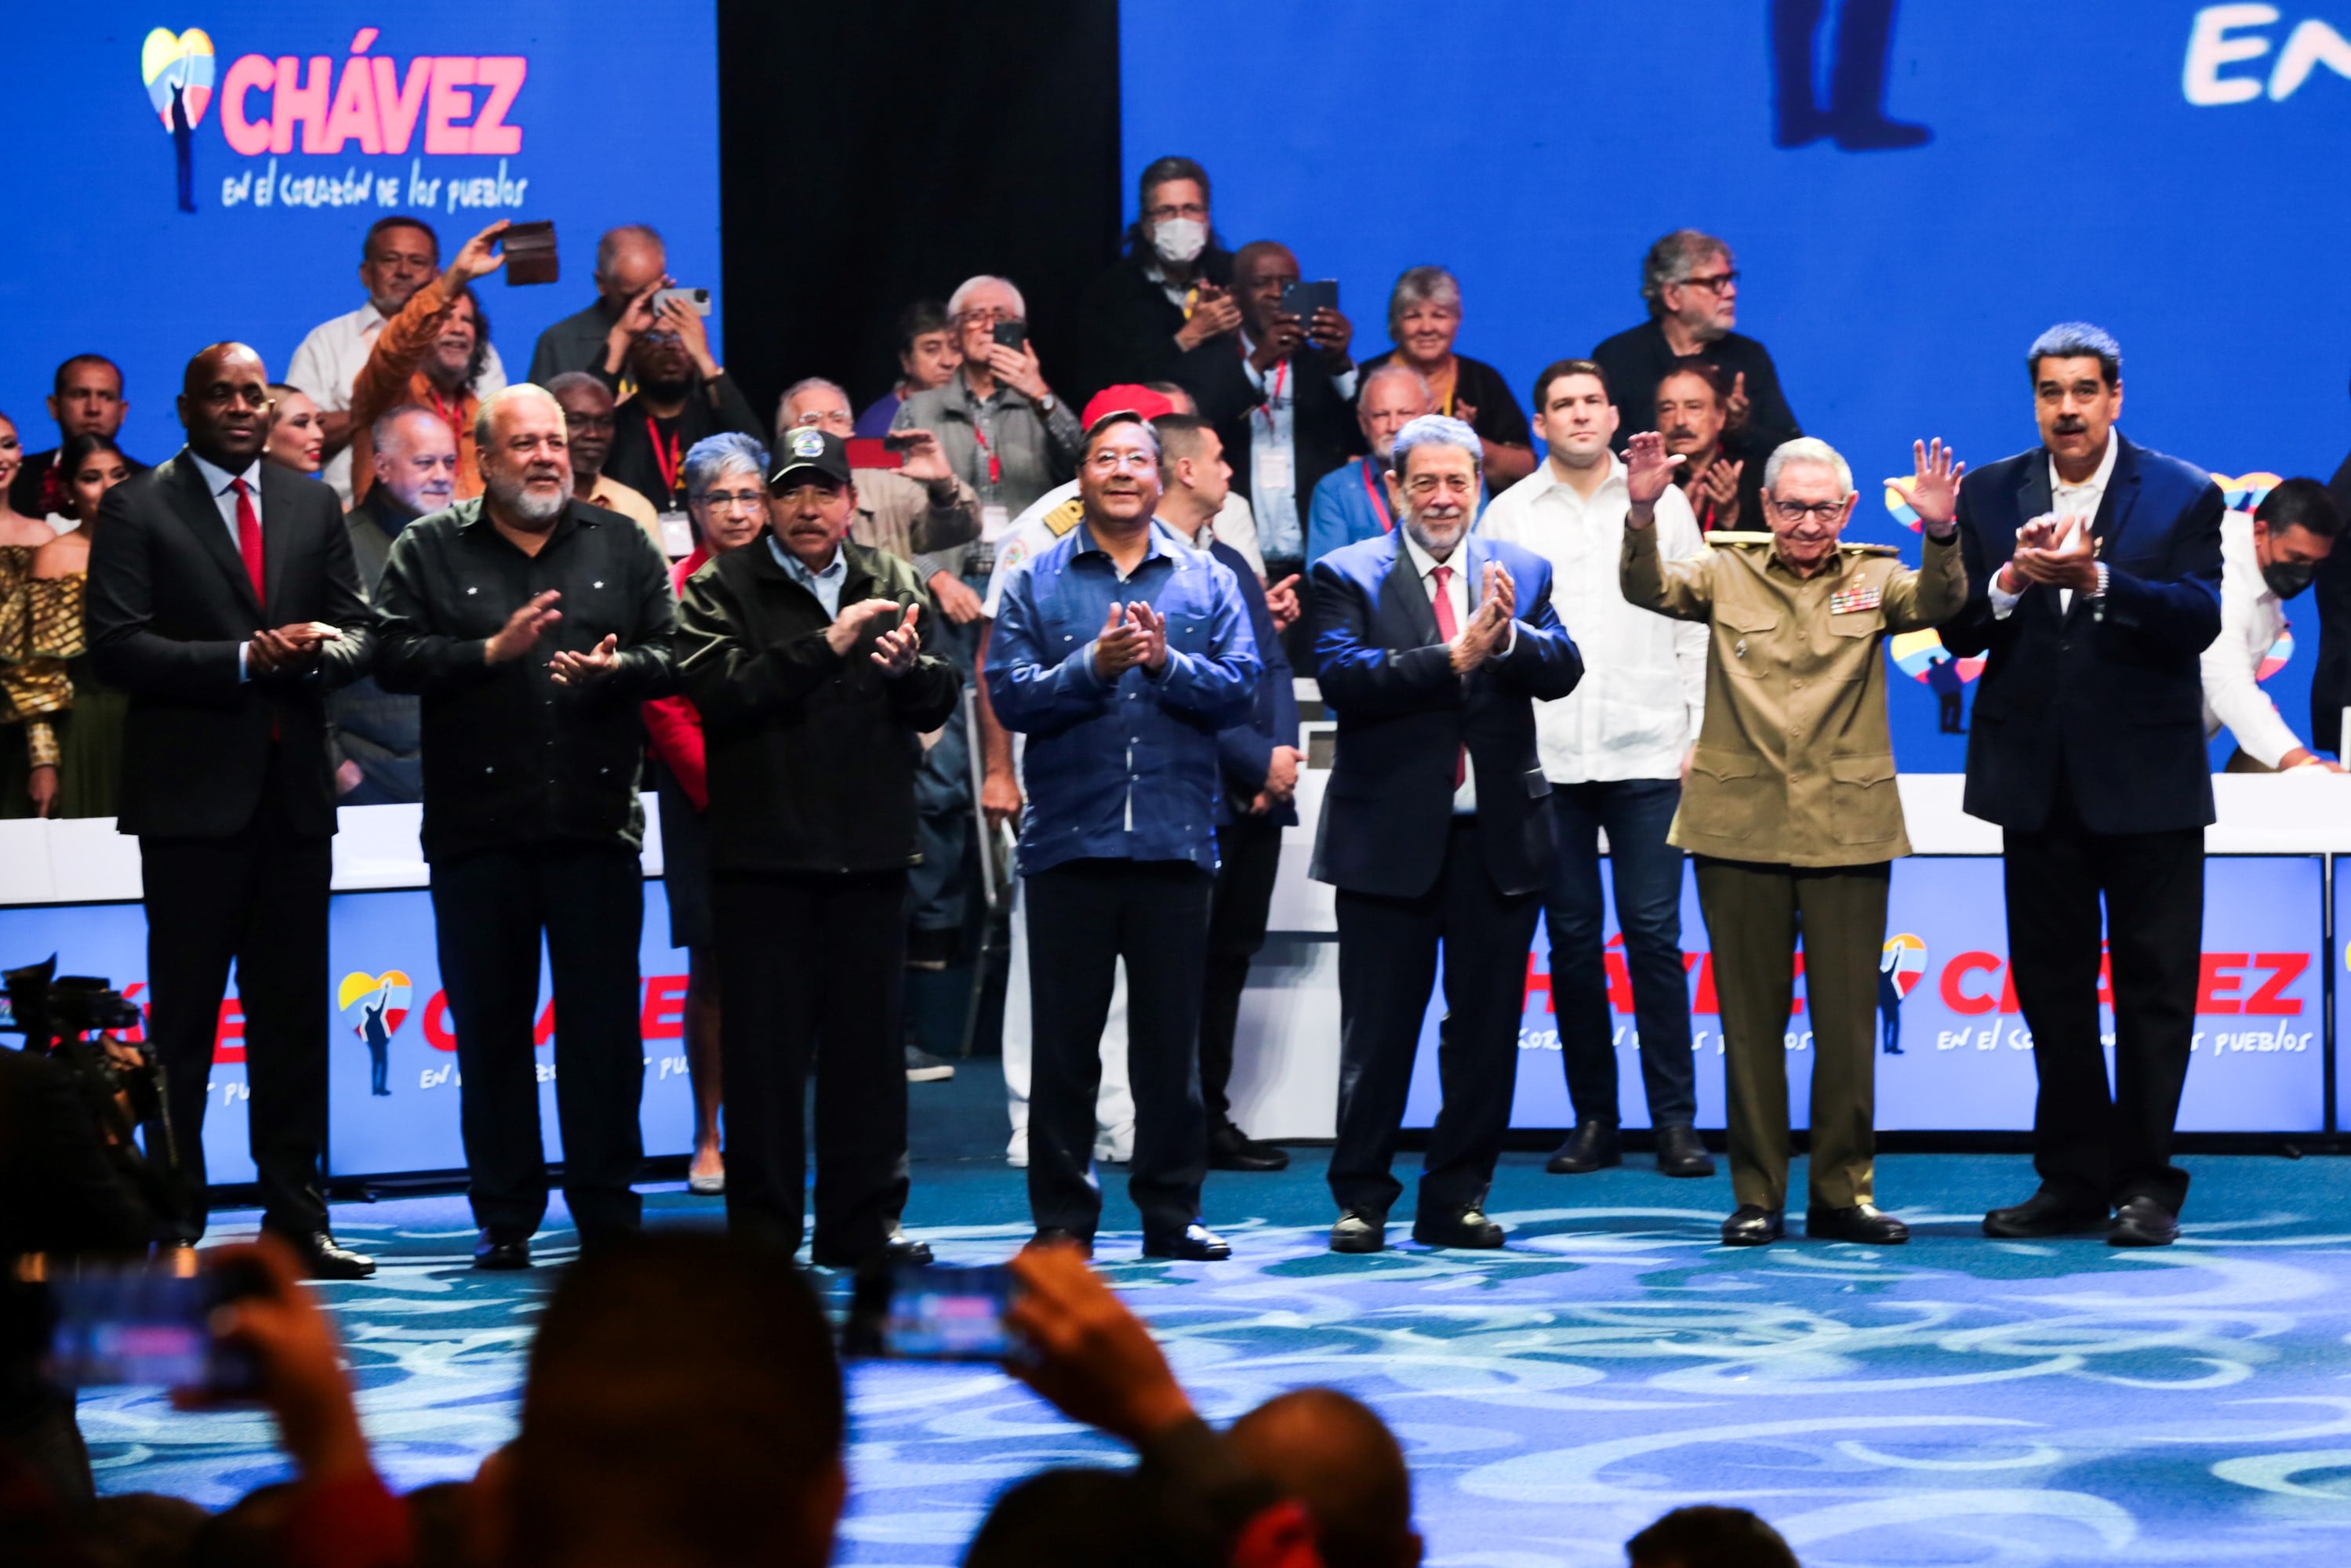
(1957, 1401)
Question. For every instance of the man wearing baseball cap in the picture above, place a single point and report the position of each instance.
(804, 653)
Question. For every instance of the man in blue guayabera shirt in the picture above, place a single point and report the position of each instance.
(1121, 653)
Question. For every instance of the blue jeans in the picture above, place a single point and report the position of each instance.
(1646, 872)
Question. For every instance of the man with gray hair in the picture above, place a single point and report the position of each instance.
(1434, 645)
(532, 624)
(1690, 283)
(631, 263)
(1791, 809)
(1350, 503)
(373, 732)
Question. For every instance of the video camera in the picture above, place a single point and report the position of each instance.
(77, 1020)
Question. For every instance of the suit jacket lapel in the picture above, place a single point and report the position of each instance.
(201, 514)
(2115, 506)
(1403, 600)
(277, 541)
(2034, 500)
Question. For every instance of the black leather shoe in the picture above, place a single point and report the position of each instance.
(900, 1250)
(322, 1259)
(1055, 1236)
(1682, 1152)
(1230, 1149)
(1592, 1145)
(2045, 1214)
(491, 1253)
(1358, 1233)
(1196, 1243)
(1753, 1226)
(2143, 1222)
(1469, 1228)
(1864, 1222)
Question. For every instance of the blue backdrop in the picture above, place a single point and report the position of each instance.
(2170, 171)
(590, 114)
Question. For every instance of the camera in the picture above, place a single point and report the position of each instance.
(70, 1019)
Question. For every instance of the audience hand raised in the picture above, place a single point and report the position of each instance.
(1648, 469)
(474, 257)
(1332, 332)
(1088, 1355)
(292, 1342)
(1935, 486)
(1215, 312)
(1017, 369)
(925, 459)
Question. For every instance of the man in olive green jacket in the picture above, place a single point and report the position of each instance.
(1790, 811)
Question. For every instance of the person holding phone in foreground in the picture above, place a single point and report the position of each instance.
(805, 653)
(1790, 807)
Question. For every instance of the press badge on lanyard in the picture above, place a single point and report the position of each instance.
(677, 534)
(993, 521)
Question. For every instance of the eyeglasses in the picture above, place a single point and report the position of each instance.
(820, 419)
(1420, 487)
(1193, 210)
(1797, 511)
(1715, 284)
(726, 500)
(1109, 461)
(989, 315)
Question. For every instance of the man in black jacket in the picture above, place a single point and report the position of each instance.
(1690, 281)
(804, 654)
(224, 600)
(1170, 293)
(532, 624)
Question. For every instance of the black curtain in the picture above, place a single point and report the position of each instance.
(875, 154)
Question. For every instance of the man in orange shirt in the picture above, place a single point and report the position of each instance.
(431, 355)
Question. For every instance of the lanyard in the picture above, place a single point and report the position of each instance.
(453, 414)
(668, 460)
(995, 469)
(1273, 390)
(1379, 502)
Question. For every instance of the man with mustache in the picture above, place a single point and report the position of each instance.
(1722, 483)
(1434, 645)
(532, 624)
(2094, 573)
(376, 738)
(435, 354)
(2265, 559)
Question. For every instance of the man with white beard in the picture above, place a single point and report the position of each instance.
(532, 624)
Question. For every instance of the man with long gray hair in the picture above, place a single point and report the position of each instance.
(532, 624)
(1690, 282)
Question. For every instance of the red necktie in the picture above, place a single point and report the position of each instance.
(248, 538)
(1448, 628)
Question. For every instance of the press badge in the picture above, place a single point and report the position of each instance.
(1273, 469)
(1856, 599)
(677, 534)
(993, 521)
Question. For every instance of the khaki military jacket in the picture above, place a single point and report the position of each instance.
(1794, 766)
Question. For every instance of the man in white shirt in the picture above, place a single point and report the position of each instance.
(2265, 559)
(399, 256)
(1614, 750)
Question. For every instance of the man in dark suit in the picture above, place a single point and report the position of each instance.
(1432, 647)
(224, 599)
(1281, 393)
(2093, 573)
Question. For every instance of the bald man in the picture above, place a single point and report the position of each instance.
(1335, 1454)
(223, 597)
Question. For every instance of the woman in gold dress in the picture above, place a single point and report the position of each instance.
(72, 724)
(21, 537)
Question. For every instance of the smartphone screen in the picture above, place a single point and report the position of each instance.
(1306, 296)
(873, 451)
(1013, 335)
(137, 1325)
(931, 1313)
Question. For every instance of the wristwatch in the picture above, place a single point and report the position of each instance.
(1048, 403)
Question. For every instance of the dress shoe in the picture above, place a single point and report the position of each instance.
(898, 1250)
(1230, 1149)
(1196, 1243)
(1753, 1226)
(1864, 1222)
(322, 1259)
(1469, 1228)
(1056, 1235)
(2143, 1222)
(1592, 1145)
(1358, 1233)
(491, 1253)
(2045, 1214)
(712, 1186)
(1682, 1152)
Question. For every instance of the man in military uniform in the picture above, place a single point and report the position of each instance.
(1790, 812)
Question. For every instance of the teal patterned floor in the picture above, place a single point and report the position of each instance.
(1956, 1402)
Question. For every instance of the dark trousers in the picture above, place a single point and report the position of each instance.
(490, 909)
(1646, 872)
(2090, 1146)
(810, 967)
(1756, 915)
(1084, 917)
(257, 898)
(1387, 964)
(1249, 853)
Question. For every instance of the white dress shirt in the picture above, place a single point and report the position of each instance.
(2066, 500)
(2252, 617)
(1457, 593)
(1273, 452)
(1643, 694)
(221, 484)
(329, 361)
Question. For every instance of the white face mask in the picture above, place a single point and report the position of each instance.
(1178, 240)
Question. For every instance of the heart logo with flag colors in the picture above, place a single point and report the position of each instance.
(178, 64)
(374, 1005)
